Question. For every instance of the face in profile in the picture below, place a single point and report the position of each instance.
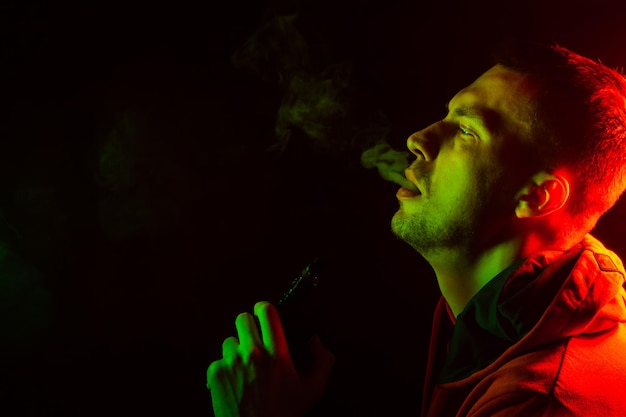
(469, 167)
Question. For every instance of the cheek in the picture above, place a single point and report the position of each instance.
(467, 179)
(496, 194)
(459, 178)
(455, 191)
(480, 183)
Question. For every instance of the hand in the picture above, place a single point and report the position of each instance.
(256, 376)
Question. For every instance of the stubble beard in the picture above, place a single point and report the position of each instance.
(428, 237)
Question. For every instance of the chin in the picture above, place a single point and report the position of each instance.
(401, 226)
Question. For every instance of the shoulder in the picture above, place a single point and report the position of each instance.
(566, 378)
(593, 372)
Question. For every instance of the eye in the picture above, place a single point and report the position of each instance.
(466, 132)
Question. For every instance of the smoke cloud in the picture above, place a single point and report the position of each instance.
(313, 105)
(320, 101)
(316, 101)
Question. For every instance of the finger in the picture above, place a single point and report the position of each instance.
(218, 375)
(223, 396)
(271, 329)
(229, 347)
(247, 331)
(214, 374)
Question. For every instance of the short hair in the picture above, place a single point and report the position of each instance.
(579, 124)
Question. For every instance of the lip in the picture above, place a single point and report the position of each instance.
(405, 193)
(409, 188)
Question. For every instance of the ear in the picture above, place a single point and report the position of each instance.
(544, 194)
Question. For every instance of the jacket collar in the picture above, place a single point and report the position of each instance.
(525, 305)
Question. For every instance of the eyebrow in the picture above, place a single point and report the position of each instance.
(487, 118)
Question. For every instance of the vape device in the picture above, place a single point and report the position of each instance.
(296, 308)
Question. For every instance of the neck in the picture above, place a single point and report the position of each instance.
(461, 275)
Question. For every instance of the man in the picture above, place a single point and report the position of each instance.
(506, 189)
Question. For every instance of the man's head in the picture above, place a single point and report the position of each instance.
(535, 143)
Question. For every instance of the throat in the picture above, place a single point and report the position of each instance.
(461, 277)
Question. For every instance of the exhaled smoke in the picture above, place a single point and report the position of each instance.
(275, 51)
(320, 101)
(389, 162)
(315, 103)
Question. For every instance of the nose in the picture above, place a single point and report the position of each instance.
(424, 143)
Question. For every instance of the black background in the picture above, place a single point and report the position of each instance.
(147, 198)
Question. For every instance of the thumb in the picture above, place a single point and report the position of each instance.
(321, 367)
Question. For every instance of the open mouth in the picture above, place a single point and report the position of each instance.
(409, 181)
(402, 181)
(409, 186)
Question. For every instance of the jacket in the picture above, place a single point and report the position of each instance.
(545, 337)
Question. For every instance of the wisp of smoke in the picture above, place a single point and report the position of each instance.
(389, 162)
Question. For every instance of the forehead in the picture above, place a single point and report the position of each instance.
(502, 97)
